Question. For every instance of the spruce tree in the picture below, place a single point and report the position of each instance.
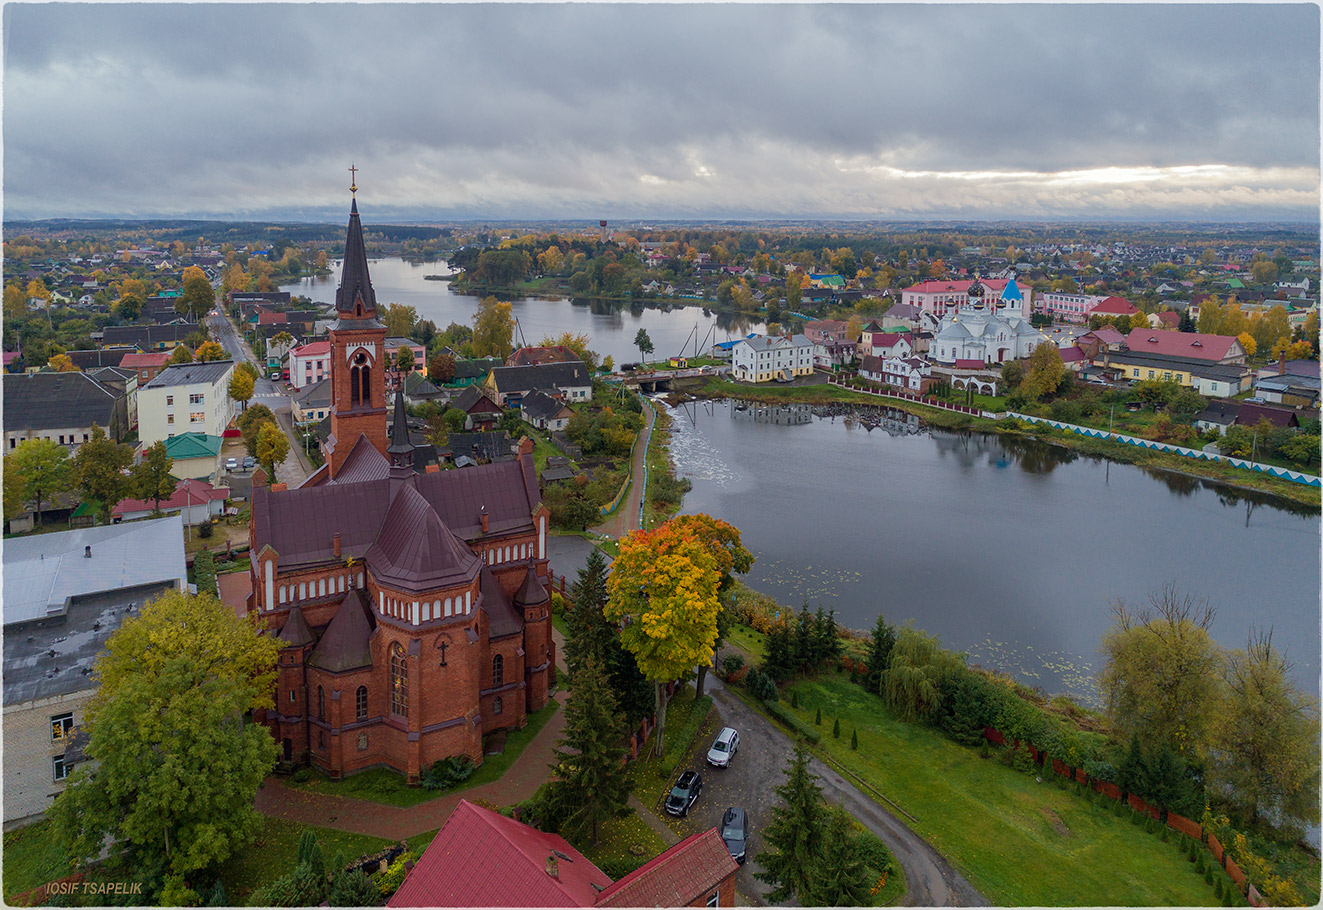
(879, 653)
(805, 640)
(593, 781)
(818, 718)
(588, 632)
(854, 739)
(836, 728)
(794, 836)
(841, 878)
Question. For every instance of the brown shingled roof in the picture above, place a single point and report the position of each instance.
(364, 462)
(415, 551)
(507, 488)
(295, 633)
(346, 643)
(502, 617)
(689, 870)
(531, 593)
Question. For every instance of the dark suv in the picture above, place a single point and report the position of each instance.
(735, 831)
(684, 793)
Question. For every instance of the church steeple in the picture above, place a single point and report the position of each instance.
(400, 450)
(355, 298)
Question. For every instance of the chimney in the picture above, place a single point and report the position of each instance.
(335, 544)
(87, 552)
(483, 513)
(1281, 364)
(525, 446)
(553, 867)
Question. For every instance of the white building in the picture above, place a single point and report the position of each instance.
(186, 398)
(309, 363)
(988, 334)
(941, 296)
(905, 372)
(762, 358)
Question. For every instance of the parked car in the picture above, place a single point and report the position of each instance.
(1255, 399)
(726, 745)
(684, 793)
(231, 464)
(249, 462)
(735, 831)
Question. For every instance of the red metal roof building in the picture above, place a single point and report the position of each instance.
(1215, 348)
(480, 858)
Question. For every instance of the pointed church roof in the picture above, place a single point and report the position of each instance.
(414, 550)
(531, 593)
(355, 285)
(399, 430)
(1012, 291)
(346, 643)
(364, 462)
(295, 633)
(502, 617)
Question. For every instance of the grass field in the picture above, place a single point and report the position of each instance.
(273, 851)
(623, 843)
(381, 785)
(1020, 842)
(32, 858)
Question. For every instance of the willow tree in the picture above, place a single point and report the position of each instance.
(665, 589)
(916, 669)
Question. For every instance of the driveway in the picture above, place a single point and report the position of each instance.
(758, 768)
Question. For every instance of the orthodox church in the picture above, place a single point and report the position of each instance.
(411, 605)
(986, 330)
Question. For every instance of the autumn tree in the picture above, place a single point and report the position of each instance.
(151, 479)
(99, 471)
(441, 369)
(1267, 742)
(1248, 343)
(40, 470)
(37, 291)
(794, 290)
(61, 363)
(643, 343)
(591, 778)
(1161, 679)
(272, 448)
(668, 582)
(173, 765)
(250, 424)
(794, 837)
(198, 295)
(1270, 327)
(208, 351)
(493, 329)
(576, 342)
(282, 340)
(1263, 272)
(405, 359)
(242, 386)
(1045, 373)
(399, 320)
(854, 327)
(15, 302)
(181, 354)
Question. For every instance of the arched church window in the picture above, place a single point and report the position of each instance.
(321, 704)
(399, 682)
(360, 706)
(497, 706)
(498, 669)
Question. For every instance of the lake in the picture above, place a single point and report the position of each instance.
(1010, 550)
(610, 324)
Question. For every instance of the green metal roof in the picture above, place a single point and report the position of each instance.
(193, 445)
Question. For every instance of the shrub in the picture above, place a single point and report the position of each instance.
(205, 530)
(873, 851)
(794, 699)
(448, 772)
(388, 882)
(557, 604)
(301, 775)
(854, 739)
(817, 719)
(766, 690)
(781, 713)
(204, 572)
(836, 729)
(678, 743)
(353, 889)
(740, 677)
(731, 663)
(1165, 836)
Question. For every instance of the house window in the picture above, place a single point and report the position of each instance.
(170, 419)
(291, 695)
(61, 726)
(360, 703)
(498, 669)
(399, 682)
(497, 706)
(321, 704)
(713, 899)
(169, 400)
(195, 399)
(59, 768)
(197, 417)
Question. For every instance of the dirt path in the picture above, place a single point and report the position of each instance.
(626, 517)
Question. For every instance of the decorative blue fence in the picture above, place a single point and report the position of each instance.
(1271, 470)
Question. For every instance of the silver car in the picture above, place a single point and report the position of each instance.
(726, 745)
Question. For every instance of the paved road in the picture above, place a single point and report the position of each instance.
(758, 767)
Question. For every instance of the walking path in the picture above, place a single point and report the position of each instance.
(627, 515)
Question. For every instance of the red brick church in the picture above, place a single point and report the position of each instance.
(411, 605)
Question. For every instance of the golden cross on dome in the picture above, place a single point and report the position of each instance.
(353, 183)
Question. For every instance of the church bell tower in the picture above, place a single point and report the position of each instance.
(358, 355)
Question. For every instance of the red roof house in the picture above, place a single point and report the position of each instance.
(202, 499)
(146, 365)
(480, 858)
(1213, 348)
(266, 317)
(525, 357)
(1114, 306)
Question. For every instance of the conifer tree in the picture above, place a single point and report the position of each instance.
(590, 633)
(841, 878)
(794, 837)
(593, 781)
(879, 653)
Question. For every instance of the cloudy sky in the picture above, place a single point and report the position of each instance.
(508, 111)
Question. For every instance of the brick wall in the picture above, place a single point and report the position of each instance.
(29, 782)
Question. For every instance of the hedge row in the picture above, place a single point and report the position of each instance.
(679, 742)
(783, 714)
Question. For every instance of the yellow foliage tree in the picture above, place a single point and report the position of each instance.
(209, 350)
(1248, 343)
(61, 363)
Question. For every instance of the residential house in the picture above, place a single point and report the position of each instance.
(538, 869)
(417, 389)
(471, 372)
(482, 410)
(61, 407)
(1252, 414)
(1209, 378)
(834, 347)
(65, 593)
(1290, 389)
(887, 344)
(1077, 308)
(195, 456)
(309, 363)
(1220, 414)
(145, 365)
(395, 345)
(124, 384)
(1215, 348)
(544, 412)
(570, 381)
(763, 358)
(312, 403)
(148, 337)
(1167, 319)
(88, 360)
(196, 500)
(552, 354)
(186, 398)
(912, 373)
(481, 447)
(940, 296)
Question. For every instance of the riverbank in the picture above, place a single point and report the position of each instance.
(1238, 478)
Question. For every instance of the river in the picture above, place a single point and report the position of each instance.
(1009, 550)
(610, 324)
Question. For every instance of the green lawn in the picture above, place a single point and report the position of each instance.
(32, 858)
(274, 848)
(623, 843)
(750, 640)
(1018, 841)
(381, 785)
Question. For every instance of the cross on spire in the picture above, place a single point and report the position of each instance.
(353, 181)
